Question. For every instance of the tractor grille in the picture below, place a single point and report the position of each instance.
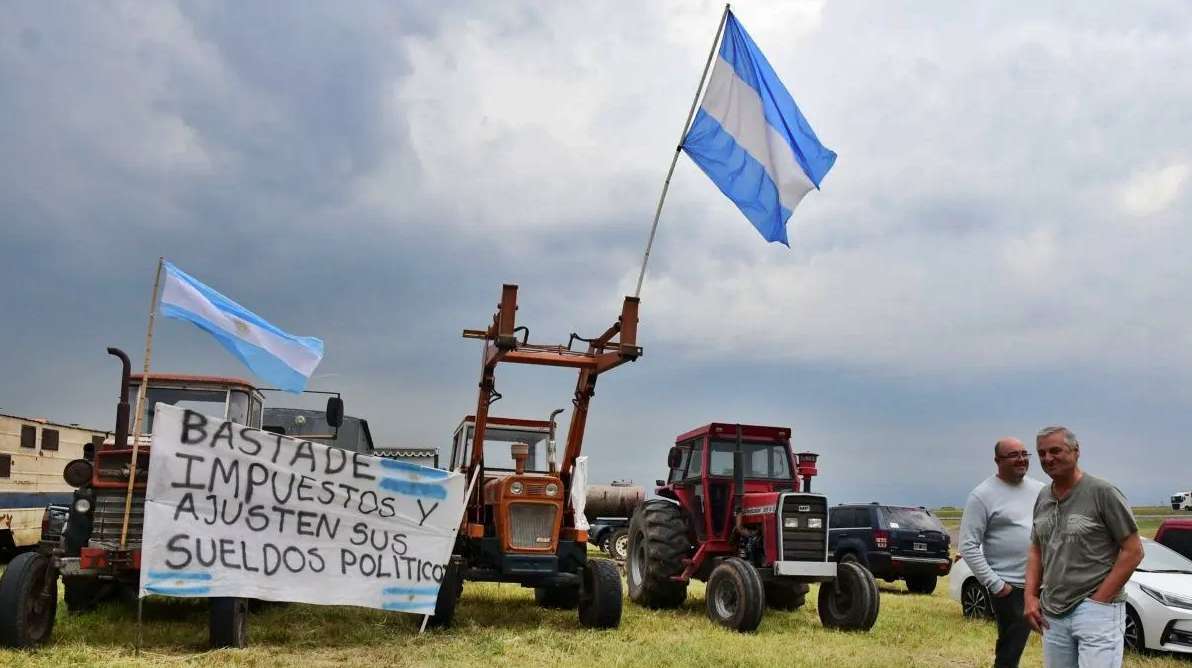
(531, 525)
(803, 543)
(109, 515)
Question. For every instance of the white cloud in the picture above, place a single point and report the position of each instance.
(1151, 192)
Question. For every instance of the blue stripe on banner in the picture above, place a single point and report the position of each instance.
(22, 500)
(425, 608)
(738, 49)
(228, 306)
(421, 471)
(262, 362)
(177, 591)
(739, 176)
(413, 591)
(168, 575)
(428, 490)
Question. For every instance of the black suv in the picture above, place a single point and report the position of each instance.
(893, 542)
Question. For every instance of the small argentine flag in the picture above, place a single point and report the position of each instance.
(281, 359)
(750, 138)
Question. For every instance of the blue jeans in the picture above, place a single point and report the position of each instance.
(1090, 636)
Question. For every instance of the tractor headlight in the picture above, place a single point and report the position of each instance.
(516, 487)
(551, 489)
(815, 523)
(1167, 598)
(82, 505)
(790, 523)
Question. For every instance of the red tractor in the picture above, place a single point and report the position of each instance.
(733, 516)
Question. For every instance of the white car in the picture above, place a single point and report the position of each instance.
(1158, 599)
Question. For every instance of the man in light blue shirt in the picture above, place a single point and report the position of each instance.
(995, 535)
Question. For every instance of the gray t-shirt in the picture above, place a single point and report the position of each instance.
(1080, 537)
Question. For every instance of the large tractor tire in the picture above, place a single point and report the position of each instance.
(228, 624)
(600, 596)
(28, 601)
(557, 598)
(850, 601)
(657, 546)
(617, 545)
(786, 595)
(736, 598)
(450, 590)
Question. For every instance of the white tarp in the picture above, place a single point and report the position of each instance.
(233, 511)
(579, 491)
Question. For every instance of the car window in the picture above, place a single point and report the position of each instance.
(915, 519)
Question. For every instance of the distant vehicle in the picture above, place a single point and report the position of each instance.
(33, 453)
(352, 435)
(893, 542)
(608, 509)
(1181, 501)
(1158, 599)
(1176, 533)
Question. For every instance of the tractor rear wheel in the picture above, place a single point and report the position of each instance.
(450, 589)
(786, 595)
(600, 596)
(849, 602)
(556, 597)
(28, 601)
(735, 596)
(657, 546)
(228, 623)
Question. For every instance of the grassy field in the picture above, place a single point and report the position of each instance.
(501, 625)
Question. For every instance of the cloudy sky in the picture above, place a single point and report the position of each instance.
(1000, 246)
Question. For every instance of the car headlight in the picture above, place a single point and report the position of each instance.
(551, 489)
(516, 487)
(1167, 598)
(82, 505)
(815, 523)
(790, 522)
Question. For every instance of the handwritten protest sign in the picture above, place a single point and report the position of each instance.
(234, 511)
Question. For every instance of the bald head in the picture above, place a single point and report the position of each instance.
(1007, 443)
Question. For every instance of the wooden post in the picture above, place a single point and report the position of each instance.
(136, 429)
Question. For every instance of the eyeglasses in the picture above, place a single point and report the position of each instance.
(1016, 455)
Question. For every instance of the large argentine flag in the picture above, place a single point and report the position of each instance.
(750, 138)
(279, 358)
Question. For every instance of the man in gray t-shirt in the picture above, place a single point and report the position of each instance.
(1084, 546)
(995, 533)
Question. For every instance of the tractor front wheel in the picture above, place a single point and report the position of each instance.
(228, 624)
(850, 602)
(600, 596)
(28, 601)
(657, 546)
(450, 589)
(736, 598)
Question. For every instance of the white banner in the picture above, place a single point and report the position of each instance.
(234, 511)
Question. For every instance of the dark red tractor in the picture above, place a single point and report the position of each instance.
(734, 515)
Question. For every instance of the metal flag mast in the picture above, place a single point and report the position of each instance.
(678, 149)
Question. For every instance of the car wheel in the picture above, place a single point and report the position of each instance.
(1133, 636)
(974, 600)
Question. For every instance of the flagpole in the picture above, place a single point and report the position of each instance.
(136, 428)
(678, 149)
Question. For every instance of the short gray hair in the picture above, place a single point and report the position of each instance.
(1069, 437)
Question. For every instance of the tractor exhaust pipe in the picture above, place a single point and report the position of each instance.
(122, 406)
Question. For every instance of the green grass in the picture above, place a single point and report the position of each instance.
(500, 625)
